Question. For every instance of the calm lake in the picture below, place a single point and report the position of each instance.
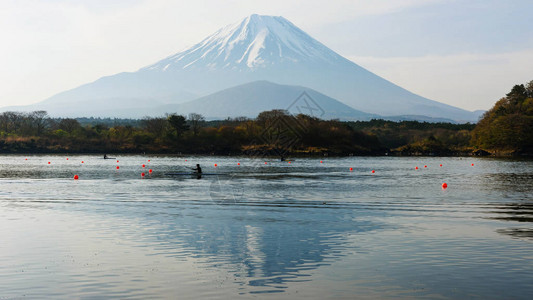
(305, 229)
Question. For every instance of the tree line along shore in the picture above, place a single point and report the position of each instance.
(505, 129)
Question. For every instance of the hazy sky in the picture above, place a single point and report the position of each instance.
(467, 53)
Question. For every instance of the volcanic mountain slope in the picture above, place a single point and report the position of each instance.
(250, 99)
(257, 48)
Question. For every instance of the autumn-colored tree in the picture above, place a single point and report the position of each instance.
(508, 125)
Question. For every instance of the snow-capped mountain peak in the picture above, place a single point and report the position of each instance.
(256, 49)
(257, 41)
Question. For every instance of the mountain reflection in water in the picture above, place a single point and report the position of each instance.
(299, 230)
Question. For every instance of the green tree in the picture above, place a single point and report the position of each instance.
(178, 123)
(508, 125)
(529, 89)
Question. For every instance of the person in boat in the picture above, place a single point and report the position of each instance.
(198, 169)
(198, 172)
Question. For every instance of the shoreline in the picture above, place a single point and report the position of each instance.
(287, 155)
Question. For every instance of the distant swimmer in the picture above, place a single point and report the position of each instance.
(282, 158)
(105, 156)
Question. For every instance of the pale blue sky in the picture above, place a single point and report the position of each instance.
(466, 53)
(474, 26)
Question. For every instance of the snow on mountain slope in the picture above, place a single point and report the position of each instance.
(255, 42)
(274, 49)
(254, 49)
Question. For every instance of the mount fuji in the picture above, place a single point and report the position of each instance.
(256, 49)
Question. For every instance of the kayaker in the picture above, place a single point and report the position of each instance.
(198, 169)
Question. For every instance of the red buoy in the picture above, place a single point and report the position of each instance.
(48, 162)
(238, 164)
(321, 161)
(144, 166)
(425, 166)
(142, 174)
(148, 160)
(216, 165)
(67, 158)
(26, 159)
(444, 185)
(416, 168)
(351, 169)
(289, 162)
(472, 165)
(265, 162)
(117, 160)
(373, 171)
(76, 177)
(82, 162)
(118, 167)
(150, 171)
(440, 165)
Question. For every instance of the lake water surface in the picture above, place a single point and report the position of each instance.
(303, 229)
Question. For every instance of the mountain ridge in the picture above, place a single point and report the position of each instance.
(250, 99)
(256, 48)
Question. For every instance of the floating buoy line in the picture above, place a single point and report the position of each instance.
(444, 185)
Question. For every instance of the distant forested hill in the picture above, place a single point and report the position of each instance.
(508, 126)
